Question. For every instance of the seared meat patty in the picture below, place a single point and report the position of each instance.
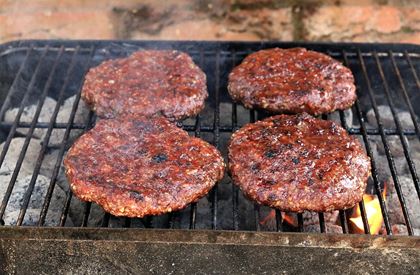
(141, 166)
(297, 162)
(147, 83)
(292, 81)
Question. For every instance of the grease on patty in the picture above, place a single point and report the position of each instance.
(292, 81)
(297, 162)
(148, 82)
(141, 166)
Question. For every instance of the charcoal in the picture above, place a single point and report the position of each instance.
(63, 116)
(387, 118)
(13, 153)
(395, 146)
(38, 194)
(32, 216)
(36, 200)
(411, 199)
(28, 115)
(329, 228)
(401, 229)
(76, 211)
(405, 120)
(348, 117)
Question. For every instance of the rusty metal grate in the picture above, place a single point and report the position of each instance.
(31, 71)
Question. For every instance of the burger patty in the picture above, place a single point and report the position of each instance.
(141, 166)
(292, 81)
(147, 82)
(297, 162)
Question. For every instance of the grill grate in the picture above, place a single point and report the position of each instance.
(31, 71)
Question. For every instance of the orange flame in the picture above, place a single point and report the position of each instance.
(373, 214)
(272, 215)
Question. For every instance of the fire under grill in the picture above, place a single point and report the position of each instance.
(41, 115)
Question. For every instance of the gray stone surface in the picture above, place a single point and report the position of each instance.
(29, 113)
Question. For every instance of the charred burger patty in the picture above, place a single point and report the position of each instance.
(147, 83)
(292, 81)
(141, 166)
(297, 162)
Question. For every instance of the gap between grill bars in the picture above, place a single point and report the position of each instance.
(57, 71)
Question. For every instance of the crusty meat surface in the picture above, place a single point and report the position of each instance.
(297, 162)
(292, 81)
(148, 82)
(143, 166)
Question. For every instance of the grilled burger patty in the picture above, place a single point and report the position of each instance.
(142, 166)
(297, 162)
(292, 81)
(147, 82)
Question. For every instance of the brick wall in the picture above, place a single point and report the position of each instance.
(359, 20)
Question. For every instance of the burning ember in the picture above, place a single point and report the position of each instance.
(373, 215)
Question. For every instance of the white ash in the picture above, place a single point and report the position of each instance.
(35, 203)
(63, 116)
(29, 114)
(47, 111)
(411, 199)
(13, 153)
(383, 165)
(395, 146)
(348, 117)
(401, 229)
(48, 163)
(32, 217)
(329, 228)
(38, 194)
(387, 118)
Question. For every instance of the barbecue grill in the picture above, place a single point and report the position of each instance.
(232, 229)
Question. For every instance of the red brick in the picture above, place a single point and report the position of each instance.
(240, 25)
(72, 25)
(197, 30)
(385, 20)
(363, 24)
(274, 24)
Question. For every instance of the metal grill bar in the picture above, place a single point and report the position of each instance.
(69, 196)
(197, 133)
(407, 56)
(216, 135)
(164, 44)
(12, 88)
(11, 134)
(370, 154)
(204, 128)
(44, 146)
(398, 123)
(220, 54)
(387, 149)
(373, 164)
(300, 222)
